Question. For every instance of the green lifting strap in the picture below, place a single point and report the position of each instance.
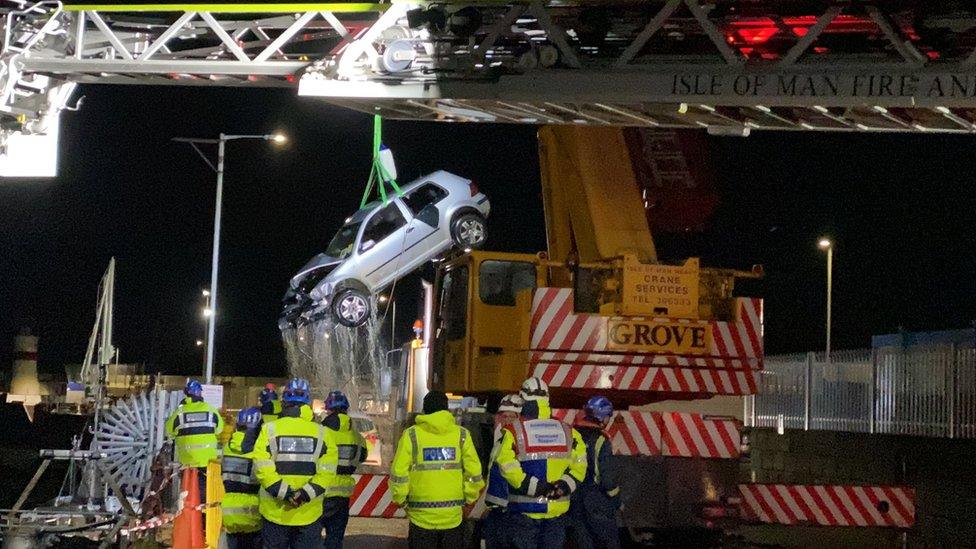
(378, 174)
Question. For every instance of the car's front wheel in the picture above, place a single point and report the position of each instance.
(351, 308)
(469, 231)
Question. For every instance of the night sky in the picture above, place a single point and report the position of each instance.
(900, 207)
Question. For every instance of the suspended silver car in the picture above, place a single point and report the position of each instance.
(383, 242)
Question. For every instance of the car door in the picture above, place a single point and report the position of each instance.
(425, 229)
(381, 245)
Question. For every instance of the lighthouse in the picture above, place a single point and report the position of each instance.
(24, 385)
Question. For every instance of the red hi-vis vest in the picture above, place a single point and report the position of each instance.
(543, 448)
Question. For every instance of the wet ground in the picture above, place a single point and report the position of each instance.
(364, 533)
(370, 533)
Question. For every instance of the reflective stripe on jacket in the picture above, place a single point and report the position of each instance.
(292, 454)
(539, 450)
(436, 471)
(194, 427)
(240, 503)
(352, 452)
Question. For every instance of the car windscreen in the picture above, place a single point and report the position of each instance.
(342, 242)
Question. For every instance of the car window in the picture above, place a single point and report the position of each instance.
(500, 281)
(424, 196)
(341, 244)
(381, 225)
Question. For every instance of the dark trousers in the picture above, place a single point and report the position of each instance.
(276, 536)
(335, 517)
(593, 520)
(529, 533)
(495, 529)
(250, 540)
(422, 538)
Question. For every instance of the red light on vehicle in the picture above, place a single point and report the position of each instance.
(474, 188)
(757, 35)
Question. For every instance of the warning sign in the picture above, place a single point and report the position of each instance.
(214, 395)
(660, 290)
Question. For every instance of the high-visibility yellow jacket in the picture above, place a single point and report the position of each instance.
(352, 452)
(240, 505)
(293, 454)
(436, 471)
(270, 410)
(536, 451)
(194, 427)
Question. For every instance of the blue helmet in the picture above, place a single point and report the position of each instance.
(268, 394)
(297, 390)
(336, 401)
(249, 418)
(193, 388)
(598, 408)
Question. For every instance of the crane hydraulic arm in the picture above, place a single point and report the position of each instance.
(592, 205)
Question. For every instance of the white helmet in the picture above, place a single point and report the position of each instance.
(534, 389)
(511, 403)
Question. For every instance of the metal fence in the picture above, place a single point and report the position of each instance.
(926, 390)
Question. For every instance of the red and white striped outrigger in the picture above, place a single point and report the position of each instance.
(825, 505)
(372, 498)
(669, 434)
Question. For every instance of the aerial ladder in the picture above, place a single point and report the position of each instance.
(724, 66)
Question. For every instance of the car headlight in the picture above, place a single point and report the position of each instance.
(312, 279)
(321, 295)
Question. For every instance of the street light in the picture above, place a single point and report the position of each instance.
(826, 244)
(211, 295)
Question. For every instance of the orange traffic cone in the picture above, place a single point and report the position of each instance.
(188, 527)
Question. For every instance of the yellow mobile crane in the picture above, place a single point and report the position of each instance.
(598, 314)
(497, 310)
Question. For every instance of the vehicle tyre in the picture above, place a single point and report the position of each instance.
(469, 231)
(351, 308)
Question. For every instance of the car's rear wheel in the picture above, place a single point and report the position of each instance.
(469, 231)
(351, 308)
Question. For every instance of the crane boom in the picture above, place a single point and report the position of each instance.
(592, 205)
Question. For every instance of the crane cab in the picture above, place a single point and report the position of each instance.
(482, 305)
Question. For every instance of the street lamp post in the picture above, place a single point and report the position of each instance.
(221, 143)
(207, 313)
(826, 244)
